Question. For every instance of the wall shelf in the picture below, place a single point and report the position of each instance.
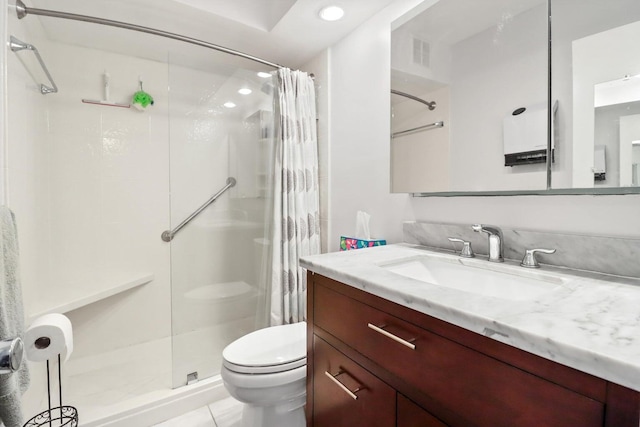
(76, 296)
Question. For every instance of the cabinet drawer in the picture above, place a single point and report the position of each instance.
(483, 390)
(345, 394)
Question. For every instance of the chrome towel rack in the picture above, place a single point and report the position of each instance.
(419, 128)
(18, 45)
(167, 235)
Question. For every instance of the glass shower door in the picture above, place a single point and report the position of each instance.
(221, 127)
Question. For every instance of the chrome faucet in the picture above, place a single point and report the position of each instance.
(495, 240)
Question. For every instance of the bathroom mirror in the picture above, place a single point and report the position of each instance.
(596, 63)
(485, 66)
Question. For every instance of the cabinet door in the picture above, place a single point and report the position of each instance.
(411, 415)
(345, 394)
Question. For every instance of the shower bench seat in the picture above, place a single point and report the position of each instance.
(65, 297)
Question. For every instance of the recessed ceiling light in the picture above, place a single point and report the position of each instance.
(229, 104)
(264, 75)
(331, 13)
(244, 91)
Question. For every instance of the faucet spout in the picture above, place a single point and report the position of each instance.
(495, 241)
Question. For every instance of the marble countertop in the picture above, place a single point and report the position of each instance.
(590, 323)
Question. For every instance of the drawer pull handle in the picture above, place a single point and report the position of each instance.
(406, 343)
(333, 378)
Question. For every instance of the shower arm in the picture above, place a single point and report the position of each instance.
(168, 235)
(22, 10)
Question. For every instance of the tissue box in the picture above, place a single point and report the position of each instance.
(348, 243)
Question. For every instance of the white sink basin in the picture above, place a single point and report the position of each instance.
(478, 276)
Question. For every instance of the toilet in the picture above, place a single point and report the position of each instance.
(266, 370)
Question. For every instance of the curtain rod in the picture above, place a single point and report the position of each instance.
(22, 10)
(431, 105)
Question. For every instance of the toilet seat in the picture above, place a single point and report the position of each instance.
(269, 350)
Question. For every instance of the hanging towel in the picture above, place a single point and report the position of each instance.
(11, 319)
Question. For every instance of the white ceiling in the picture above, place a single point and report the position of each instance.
(287, 32)
(263, 15)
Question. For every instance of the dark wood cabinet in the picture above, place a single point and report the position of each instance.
(412, 415)
(445, 375)
(345, 394)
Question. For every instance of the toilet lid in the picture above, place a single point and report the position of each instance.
(268, 350)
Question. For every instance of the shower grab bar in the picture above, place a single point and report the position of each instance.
(425, 127)
(167, 235)
(18, 45)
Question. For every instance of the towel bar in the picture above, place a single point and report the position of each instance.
(18, 45)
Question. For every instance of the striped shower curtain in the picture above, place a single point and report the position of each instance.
(296, 227)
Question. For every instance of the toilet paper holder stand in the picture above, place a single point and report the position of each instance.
(59, 416)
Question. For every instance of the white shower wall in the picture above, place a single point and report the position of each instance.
(26, 159)
(90, 187)
(109, 195)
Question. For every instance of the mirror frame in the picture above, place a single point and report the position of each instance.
(549, 191)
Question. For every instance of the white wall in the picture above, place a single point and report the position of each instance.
(359, 156)
(359, 131)
(319, 66)
(25, 154)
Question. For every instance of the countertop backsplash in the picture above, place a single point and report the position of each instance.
(609, 255)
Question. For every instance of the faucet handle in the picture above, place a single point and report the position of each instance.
(467, 251)
(530, 260)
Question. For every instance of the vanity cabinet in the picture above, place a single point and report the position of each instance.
(411, 415)
(426, 372)
(348, 395)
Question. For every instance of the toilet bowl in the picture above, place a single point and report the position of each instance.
(266, 370)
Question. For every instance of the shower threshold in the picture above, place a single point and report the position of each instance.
(132, 386)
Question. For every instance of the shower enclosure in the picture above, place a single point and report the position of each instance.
(94, 182)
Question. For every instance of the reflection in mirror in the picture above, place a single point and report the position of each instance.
(485, 66)
(419, 133)
(482, 62)
(595, 61)
(617, 132)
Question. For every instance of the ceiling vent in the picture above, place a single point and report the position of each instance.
(421, 51)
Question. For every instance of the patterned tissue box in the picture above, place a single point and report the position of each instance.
(348, 243)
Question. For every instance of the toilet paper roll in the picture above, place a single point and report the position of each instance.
(48, 336)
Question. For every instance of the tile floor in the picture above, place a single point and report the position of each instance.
(223, 413)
